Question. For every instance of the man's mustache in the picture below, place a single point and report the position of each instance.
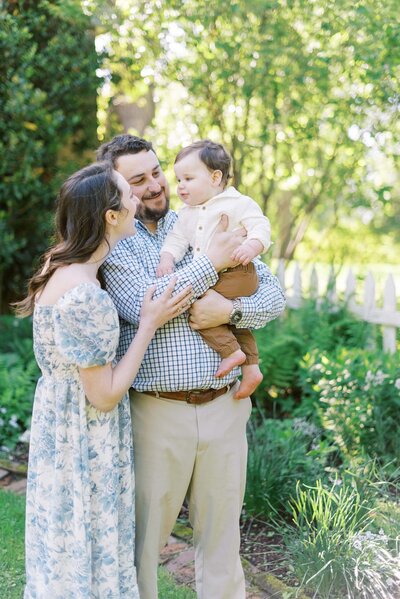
(154, 195)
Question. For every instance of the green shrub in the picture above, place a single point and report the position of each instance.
(333, 553)
(355, 396)
(282, 452)
(18, 375)
(284, 342)
(48, 88)
(16, 336)
(17, 386)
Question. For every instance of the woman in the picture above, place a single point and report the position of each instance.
(79, 510)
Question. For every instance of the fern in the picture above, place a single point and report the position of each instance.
(284, 343)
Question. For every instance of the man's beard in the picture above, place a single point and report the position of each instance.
(150, 215)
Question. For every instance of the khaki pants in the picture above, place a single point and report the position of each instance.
(199, 452)
(226, 339)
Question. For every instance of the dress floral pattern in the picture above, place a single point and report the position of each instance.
(80, 526)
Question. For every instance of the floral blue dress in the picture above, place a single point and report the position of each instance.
(80, 527)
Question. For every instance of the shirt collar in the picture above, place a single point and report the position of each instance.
(229, 192)
(161, 224)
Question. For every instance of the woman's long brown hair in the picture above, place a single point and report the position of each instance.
(80, 225)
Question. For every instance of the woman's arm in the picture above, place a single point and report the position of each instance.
(105, 386)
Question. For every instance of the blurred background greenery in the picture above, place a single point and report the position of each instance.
(304, 93)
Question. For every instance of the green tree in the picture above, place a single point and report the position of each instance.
(305, 94)
(48, 90)
(300, 92)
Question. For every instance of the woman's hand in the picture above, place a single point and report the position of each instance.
(156, 312)
(105, 385)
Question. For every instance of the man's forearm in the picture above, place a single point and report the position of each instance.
(127, 281)
(213, 309)
(266, 304)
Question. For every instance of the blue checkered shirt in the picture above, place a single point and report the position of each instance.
(177, 357)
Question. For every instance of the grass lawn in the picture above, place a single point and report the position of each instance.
(12, 522)
(12, 516)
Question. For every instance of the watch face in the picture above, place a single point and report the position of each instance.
(236, 316)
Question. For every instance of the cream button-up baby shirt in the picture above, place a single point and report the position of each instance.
(196, 224)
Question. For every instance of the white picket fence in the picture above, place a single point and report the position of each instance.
(387, 316)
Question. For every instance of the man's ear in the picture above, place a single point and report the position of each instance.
(111, 217)
(216, 178)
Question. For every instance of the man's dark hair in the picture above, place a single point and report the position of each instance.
(121, 145)
(213, 155)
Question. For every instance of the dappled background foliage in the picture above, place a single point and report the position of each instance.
(305, 95)
(48, 118)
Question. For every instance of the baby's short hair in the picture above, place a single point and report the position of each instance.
(213, 155)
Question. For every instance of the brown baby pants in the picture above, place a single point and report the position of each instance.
(226, 339)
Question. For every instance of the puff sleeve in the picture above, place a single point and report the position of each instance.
(86, 326)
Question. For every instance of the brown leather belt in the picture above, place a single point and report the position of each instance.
(197, 396)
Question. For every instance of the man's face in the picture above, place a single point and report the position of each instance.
(147, 180)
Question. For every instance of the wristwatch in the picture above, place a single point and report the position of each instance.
(237, 314)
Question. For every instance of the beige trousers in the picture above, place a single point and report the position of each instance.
(199, 452)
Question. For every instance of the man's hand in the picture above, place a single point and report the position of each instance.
(223, 243)
(209, 311)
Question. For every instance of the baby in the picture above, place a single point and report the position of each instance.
(203, 171)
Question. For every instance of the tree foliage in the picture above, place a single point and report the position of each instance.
(304, 93)
(48, 90)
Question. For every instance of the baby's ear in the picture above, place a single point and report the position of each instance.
(216, 178)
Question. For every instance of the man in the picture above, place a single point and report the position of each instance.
(189, 431)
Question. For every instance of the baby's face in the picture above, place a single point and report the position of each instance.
(196, 184)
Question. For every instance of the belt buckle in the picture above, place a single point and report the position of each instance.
(190, 393)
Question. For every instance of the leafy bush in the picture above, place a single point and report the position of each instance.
(48, 90)
(17, 387)
(355, 395)
(333, 553)
(284, 342)
(282, 452)
(16, 336)
(18, 376)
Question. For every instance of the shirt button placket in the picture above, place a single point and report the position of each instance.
(200, 228)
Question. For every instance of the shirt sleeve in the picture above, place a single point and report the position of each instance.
(86, 326)
(256, 223)
(266, 304)
(177, 241)
(127, 281)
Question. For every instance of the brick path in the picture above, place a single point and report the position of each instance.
(178, 558)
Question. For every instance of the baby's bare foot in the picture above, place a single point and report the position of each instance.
(251, 378)
(229, 363)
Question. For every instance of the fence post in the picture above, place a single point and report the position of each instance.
(369, 295)
(314, 284)
(350, 293)
(331, 287)
(297, 292)
(280, 273)
(389, 305)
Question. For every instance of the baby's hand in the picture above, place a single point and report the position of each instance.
(166, 266)
(245, 253)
